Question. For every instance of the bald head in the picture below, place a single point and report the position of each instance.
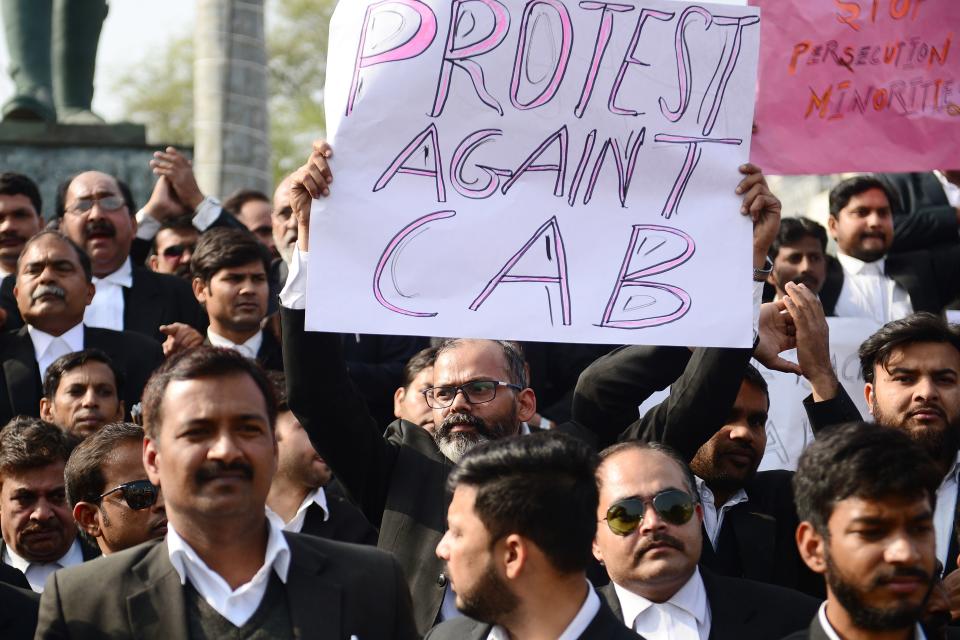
(96, 215)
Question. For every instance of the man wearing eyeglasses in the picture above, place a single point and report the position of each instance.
(173, 247)
(649, 540)
(39, 533)
(114, 503)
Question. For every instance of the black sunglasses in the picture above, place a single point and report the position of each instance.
(138, 494)
(177, 250)
(673, 506)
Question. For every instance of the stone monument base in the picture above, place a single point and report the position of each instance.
(50, 153)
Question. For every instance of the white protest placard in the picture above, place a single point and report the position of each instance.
(788, 429)
(537, 170)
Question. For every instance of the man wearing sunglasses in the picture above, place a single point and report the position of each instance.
(649, 540)
(866, 498)
(224, 570)
(113, 502)
(39, 533)
(173, 247)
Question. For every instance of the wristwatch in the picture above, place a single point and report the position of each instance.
(760, 275)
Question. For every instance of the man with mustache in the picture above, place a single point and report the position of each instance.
(81, 392)
(866, 498)
(114, 504)
(173, 246)
(39, 534)
(20, 217)
(53, 288)
(649, 540)
(229, 270)
(224, 570)
(865, 280)
(799, 255)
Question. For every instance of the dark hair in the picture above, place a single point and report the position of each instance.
(201, 362)
(753, 376)
(917, 327)
(17, 184)
(238, 198)
(82, 256)
(176, 223)
(279, 381)
(69, 362)
(421, 360)
(540, 486)
(512, 355)
(860, 460)
(30, 443)
(225, 248)
(840, 195)
(60, 202)
(84, 470)
(793, 230)
(640, 445)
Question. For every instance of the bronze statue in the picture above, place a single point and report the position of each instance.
(53, 53)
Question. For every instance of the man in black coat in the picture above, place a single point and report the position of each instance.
(649, 539)
(521, 525)
(715, 417)
(923, 214)
(209, 417)
(53, 288)
(18, 612)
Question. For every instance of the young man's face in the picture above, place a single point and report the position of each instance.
(802, 262)
(864, 228)
(174, 250)
(19, 221)
(918, 391)
(235, 298)
(34, 515)
(879, 559)
(85, 400)
(409, 403)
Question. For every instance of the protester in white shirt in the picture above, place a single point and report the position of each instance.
(649, 539)
(230, 280)
(39, 533)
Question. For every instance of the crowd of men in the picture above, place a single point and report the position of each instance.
(182, 459)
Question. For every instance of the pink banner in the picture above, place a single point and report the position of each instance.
(858, 85)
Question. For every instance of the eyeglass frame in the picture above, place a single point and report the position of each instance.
(125, 485)
(648, 502)
(96, 200)
(182, 247)
(458, 389)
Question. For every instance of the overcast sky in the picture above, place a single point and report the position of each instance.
(131, 30)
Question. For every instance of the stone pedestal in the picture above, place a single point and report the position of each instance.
(49, 153)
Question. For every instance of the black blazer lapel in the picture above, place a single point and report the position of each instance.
(141, 304)
(270, 355)
(22, 374)
(832, 285)
(157, 612)
(755, 534)
(729, 617)
(902, 269)
(608, 594)
(314, 601)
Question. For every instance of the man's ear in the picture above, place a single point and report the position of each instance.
(513, 555)
(870, 396)
(526, 404)
(121, 411)
(398, 397)
(153, 262)
(87, 516)
(832, 226)
(91, 291)
(597, 553)
(199, 290)
(151, 460)
(812, 547)
(46, 410)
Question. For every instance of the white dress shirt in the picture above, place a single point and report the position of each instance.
(713, 519)
(318, 497)
(236, 605)
(249, 349)
(833, 635)
(950, 190)
(206, 214)
(685, 616)
(38, 572)
(47, 348)
(106, 310)
(579, 624)
(943, 516)
(868, 293)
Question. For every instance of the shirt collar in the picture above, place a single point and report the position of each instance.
(72, 557)
(857, 266)
(42, 340)
(691, 597)
(185, 560)
(250, 348)
(588, 611)
(122, 277)
(954, 470)
(318, 497)
(706, 495)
